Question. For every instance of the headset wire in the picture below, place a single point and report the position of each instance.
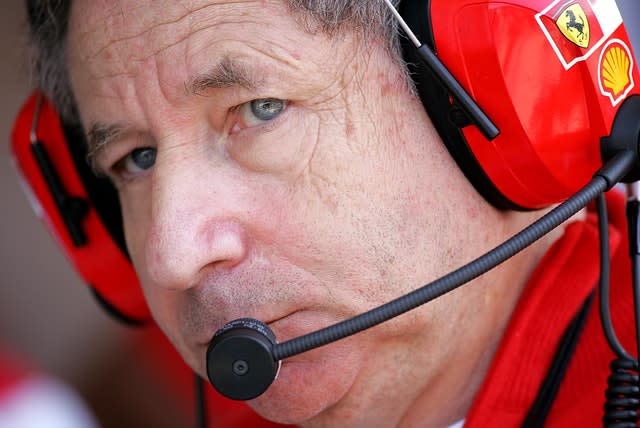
(200, 402)
(622, 396)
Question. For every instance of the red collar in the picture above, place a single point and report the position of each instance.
(557, 289)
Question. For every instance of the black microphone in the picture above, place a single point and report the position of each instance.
(240, 360)
(243, 357)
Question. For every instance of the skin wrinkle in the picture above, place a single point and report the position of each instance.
(322, 183)
(153, 53)
(119, 40)
(327, 95)
(164, 91)
(331, 97)
(373, 122)
(348, 111)
(356, 80)
(126, 128)
(347, 79)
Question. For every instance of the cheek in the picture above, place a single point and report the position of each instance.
(349, 216)
(136, 221)
(279, 148)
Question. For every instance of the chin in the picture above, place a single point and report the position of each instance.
(306, 389)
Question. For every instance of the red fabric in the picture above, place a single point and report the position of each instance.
(565, 277)
(13, 371)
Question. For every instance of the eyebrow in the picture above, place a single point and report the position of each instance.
(229, 72)
(98, 137)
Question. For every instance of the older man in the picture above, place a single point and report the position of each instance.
(272, 160)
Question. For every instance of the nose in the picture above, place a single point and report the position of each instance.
(195, 223)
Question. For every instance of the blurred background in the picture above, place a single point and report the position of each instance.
(48, 319)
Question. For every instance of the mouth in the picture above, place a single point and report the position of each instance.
(272, 323)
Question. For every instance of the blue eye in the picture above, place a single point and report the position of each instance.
(135, 163)
(256, 112)
(143, 158)
(267, 108)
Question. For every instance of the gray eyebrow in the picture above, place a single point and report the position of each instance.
(98, 137)
(227, 73)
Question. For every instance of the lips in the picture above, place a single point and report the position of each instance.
(290, 326)
(204, 339)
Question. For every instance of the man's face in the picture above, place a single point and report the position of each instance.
(271, 171)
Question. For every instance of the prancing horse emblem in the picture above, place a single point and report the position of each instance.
(574, 25)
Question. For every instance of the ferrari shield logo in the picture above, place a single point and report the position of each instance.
(574, 25)
(576, 29)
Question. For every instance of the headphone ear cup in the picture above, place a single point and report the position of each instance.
(521, 64)
(446, 117)
(67, 197)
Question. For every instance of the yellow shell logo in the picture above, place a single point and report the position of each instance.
(615, 71)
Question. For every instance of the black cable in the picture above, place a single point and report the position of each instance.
(607, 177)
(633, 222)
(622, 396)
(201, 403)
(605, 272)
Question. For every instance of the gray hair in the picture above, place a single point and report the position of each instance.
(49, 19)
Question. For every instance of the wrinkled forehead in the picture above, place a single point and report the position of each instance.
(94, 20)
(125, 45)
(106, 29)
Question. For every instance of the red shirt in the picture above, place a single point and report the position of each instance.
(558, 288)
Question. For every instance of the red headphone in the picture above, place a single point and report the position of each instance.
(68, 198)
(550, 74)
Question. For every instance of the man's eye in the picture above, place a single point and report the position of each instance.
(136, 162)
(259, 111)
(266, 109)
